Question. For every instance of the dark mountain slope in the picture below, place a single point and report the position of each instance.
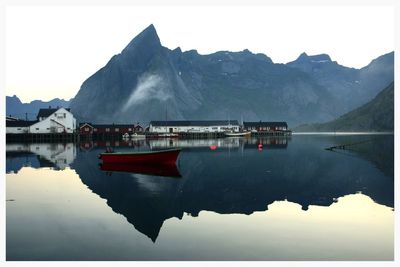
(376, 115)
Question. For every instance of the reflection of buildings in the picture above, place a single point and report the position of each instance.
(89, 145)
(233, 182)
(220, 143)
(269, 142)
(195, 143)
(54, 155)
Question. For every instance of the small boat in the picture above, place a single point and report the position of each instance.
(237, 134)
(138, 136)
(168, 156)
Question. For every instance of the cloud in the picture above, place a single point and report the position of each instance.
(149, 86)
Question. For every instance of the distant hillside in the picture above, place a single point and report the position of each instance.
(16, 108)
(376, 115)
(349, 87)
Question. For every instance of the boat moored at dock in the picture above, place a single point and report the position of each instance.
(237, 134)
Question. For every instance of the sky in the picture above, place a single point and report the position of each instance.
(52, 50)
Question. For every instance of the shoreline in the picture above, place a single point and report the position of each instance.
(342, 133)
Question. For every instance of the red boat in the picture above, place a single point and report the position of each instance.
(146, 157)
(169, 170)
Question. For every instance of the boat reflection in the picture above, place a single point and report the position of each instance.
(168, 170)
(234, 177)
(228, 181)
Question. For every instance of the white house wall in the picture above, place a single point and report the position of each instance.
(16, 130)
(193, 129)
(55, 123)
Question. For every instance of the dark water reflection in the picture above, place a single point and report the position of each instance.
(233, 178)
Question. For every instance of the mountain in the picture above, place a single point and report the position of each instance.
(349, 87)
(376, 115)
(147, 81)
(15, 108)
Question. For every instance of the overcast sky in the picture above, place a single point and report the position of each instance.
(50, 51)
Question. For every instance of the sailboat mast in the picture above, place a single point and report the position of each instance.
(166, 118)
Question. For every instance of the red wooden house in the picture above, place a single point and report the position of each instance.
(112, 129)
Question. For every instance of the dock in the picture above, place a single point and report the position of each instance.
(40, 138)
(346, 146)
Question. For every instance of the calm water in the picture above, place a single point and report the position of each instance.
(292, 200)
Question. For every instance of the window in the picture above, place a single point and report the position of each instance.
(129, 129)
(95, 129)
(37, 129)
(107, 129)
(55, 114)
(86, 129)
(65, 115)
(19, 129)
(117, 129)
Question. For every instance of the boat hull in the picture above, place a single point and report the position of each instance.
(148, 157)
(237, 134)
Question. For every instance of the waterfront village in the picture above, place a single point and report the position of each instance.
(59, 124)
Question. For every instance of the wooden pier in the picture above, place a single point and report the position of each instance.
(42, 138)
(346, 146)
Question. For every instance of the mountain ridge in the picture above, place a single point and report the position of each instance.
(17, 109)
(376, 115)
(148, 81)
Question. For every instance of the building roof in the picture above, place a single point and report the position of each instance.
(98, 126)
(46, 112)
(19, 123)
(265, 124)
(10, 118)
(195, 123)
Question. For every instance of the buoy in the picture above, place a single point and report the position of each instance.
(213, 147)
(260, 146)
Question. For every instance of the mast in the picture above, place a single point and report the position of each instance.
(166, 118)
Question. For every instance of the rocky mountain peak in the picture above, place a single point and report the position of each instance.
(148, 38)
(320, 58)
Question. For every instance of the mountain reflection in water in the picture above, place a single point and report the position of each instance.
(231, 175)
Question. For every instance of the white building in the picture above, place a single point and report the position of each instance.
(18, 126)
(215, 126)
(49, 120)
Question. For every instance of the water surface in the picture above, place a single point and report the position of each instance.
(290, 200)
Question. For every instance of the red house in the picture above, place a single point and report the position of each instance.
(90, 129)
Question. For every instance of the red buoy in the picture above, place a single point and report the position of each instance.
(213, 147)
